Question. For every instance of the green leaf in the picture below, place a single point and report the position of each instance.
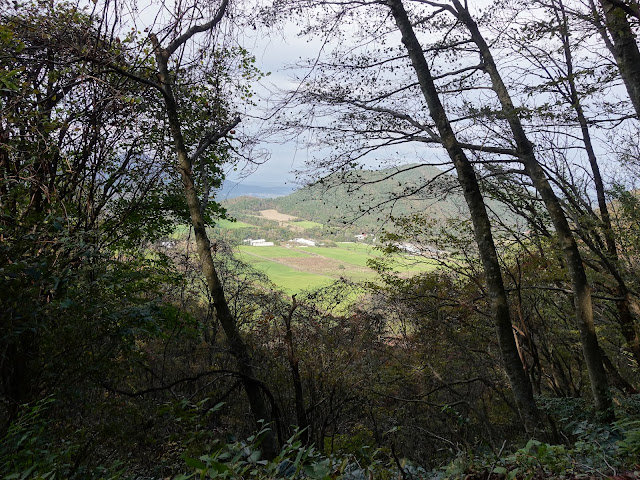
(194, 463)
(218, 467)
(317, 471)
(254, 457)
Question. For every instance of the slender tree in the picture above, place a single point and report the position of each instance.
(520, 383)
(443, 133)
(185, 167)
(618, 16)
(167, 70)
(526, 154)
(594, 227)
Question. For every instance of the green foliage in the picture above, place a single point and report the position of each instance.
(30, 450)
(243, 459)
(534, 456)
(339, 200)
(629, 445)
(357, 200)
(77, 154)
(24, 452)
(597, 450)
(125, 336)
(195, 437)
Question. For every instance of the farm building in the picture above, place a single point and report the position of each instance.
(260, 242)
(304, 241)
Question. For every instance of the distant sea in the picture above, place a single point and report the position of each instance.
(231, 189)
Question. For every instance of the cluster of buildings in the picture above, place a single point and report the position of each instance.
(410, 248)
(261, 242)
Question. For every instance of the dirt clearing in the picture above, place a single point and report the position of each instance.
(322, 266)
(277, 216)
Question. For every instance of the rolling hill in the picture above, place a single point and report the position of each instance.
(366, 199)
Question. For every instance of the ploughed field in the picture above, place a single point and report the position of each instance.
(298, 268)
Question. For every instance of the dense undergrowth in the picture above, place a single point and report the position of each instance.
(32, 449)
(403, 384)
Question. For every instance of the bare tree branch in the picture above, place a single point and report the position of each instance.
(205, 27)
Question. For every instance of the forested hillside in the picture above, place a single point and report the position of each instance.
(139, 340)
(368, 199)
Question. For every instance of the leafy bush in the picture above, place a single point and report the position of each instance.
(535, 457)
(599, 450)
(242, 459)
(30, 450)
(629, 445)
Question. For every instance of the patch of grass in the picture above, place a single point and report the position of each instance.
(229, 225)
(348, 253)
(272, 252)
(359, 253)
(287, 278)
(306, 224)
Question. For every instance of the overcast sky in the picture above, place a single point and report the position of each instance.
(273, 54)
(276, 53)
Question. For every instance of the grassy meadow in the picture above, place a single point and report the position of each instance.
(305, 268)
(229, 225)
(297, 268)
(306, 224)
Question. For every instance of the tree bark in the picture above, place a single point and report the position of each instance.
(519, 381)
(581, 287)
(301, 413)
(606, 251)
(617, 380)
(625, 318)
(223, 313)
(625, 49)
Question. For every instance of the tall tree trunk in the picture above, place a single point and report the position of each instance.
(301, 413)
(581, 287)
(223, 313)
(625, 318)
(625, 49)
(520, 384)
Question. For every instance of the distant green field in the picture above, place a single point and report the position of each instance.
(229, 225)
(352, 253)
(402, 263)
(287, 278)
(307, 268)
(294, 269)
(306, 224)
(272, 252)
